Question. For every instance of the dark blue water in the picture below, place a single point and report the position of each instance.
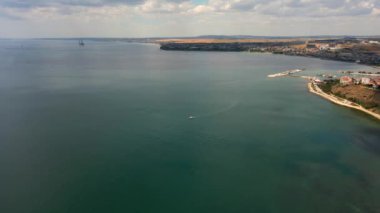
(106, 128)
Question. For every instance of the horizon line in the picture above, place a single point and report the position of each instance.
(185, 37)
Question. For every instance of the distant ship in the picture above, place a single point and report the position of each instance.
(81, 43)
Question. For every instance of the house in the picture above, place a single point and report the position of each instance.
(323, 46)
(366, 81)
(317, 80)
(346, 80)
(374, 42)
(374, 82)
(335, 47)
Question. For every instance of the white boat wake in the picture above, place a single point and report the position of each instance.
(222, 110)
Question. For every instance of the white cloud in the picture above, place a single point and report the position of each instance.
(310, 8)
(202, 9)
(376, 12)
(184, 17)
(156, 6)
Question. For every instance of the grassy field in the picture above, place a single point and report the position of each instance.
(365, 96)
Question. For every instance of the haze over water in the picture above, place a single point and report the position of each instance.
(106, 128)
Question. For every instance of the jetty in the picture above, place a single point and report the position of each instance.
(286, 73)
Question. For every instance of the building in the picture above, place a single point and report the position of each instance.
(323, 46)
(335, 47)
(374, 42)
(317, 80)
(346, 80)
(366, 81)
(374, 82)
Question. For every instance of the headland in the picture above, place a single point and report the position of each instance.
(362, 50)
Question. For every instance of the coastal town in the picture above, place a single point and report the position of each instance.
(362, 51)
(349, 49)
(354, 89)
(361, 93)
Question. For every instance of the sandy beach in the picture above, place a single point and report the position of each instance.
(313, 88)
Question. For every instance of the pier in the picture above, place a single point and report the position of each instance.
(286, 73)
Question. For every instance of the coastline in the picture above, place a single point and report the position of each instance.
(313, 88)
(285, 49)
(350, 53)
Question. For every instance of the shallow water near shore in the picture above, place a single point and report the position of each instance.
(121, 127)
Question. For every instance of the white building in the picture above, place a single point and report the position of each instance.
(323, 46)
(374, 42)
(366, 81)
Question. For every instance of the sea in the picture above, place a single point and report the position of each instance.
(127, 127)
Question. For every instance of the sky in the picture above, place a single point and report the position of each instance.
(170, 18)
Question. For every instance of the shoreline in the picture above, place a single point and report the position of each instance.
(290, 48)
(313, 88)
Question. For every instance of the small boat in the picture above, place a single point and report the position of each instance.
(191, 117)
(81, 43)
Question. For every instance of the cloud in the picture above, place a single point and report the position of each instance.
(279, 8)
(189, 17)
(155, 6)
(376, 12)
(84, 3)
(50, 3)
(201, 9)
(9, 16)
(308, 8)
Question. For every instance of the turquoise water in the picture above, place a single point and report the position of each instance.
(106, 128)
